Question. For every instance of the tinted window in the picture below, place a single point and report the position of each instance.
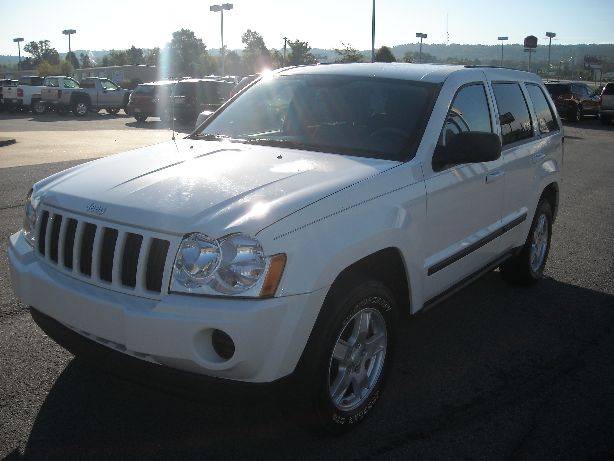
(145, 89)
(609, 89)
(370, 117)
(545, 116)
(468, 112)
(108, 85)
(70, 83)
(558, 89)
(514, 115)
(53, 82)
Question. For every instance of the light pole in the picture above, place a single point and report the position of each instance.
(550, 35)
(421, 36)
(285, 49)
(18, 40)
(373, 33)
(502, 39)
(220, 9)
(69, 32)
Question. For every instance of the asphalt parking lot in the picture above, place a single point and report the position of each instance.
(495, 372)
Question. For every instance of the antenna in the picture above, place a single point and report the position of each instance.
(173, 109)
(447, 28)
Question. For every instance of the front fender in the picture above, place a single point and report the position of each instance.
(326, 237)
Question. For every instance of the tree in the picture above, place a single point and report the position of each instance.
(71, 57)
(152, 57)
(135, 55)
(234, 65)
(85, 60)
(63, 68)
(255, 55)
(384, 54)
(300, 53)
(185, 51)
(415, 57)
(42, 51)
(347, 54)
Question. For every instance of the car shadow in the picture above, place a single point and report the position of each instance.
(52, 116)
(481, 353)
(589, 124)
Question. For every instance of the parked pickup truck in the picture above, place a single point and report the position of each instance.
(4, 83)
(92, 94)
(26, 95)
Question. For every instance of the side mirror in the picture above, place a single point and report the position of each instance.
(467, 147)
(507, 118)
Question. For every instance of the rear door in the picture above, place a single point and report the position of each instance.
(607, 97)
(520, 154)
(463, 201)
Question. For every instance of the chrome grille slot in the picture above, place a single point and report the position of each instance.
(87, 249)
(130, 259)
(111, 256)
(43, 232)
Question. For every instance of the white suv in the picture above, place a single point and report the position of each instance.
(283, 238)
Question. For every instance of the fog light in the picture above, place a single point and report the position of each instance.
(223, 345)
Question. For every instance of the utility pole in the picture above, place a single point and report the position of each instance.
(421, 36)
(18, 40)
(69, 32)
(285, 49)
(502, 39)
(373, 33)
(550, 35)
(220, 9)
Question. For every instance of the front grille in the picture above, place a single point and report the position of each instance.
(103, 254)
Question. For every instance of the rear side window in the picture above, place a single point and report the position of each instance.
(468, 112)
(70, 83)
(558, 89)
(514, 115)
(53, 82)
(546, 121)
(609, 89)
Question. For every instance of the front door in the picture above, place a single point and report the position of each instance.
(463, 201)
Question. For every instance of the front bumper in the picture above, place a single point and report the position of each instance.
(269, 334)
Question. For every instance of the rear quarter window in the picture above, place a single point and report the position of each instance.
(514, 118)
(546, 120)
(609, 89)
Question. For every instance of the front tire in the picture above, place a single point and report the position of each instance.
(113, 110)
(348, 356)
(527, 267)
(81, 108)
(141, 118)
(38, 107)
(576, 114)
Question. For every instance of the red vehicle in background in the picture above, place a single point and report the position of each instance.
(574, 100)
(150, 100)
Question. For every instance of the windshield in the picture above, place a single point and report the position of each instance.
(380, 118)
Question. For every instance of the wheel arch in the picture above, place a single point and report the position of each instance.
(386, 266)
(551, 194)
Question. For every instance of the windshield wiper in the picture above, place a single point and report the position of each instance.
(281, 143)
(211, 137)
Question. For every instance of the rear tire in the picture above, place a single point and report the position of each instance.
(605, 120)
(347, 359)
(527, 267)
(141, 118)
(112, 110)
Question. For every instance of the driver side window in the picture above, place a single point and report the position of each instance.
(469, 112)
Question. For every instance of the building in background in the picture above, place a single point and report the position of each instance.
(127, 75)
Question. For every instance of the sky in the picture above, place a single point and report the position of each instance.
(118, 24)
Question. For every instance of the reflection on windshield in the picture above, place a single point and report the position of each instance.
(372, 117)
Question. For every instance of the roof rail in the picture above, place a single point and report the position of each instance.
(485, 66)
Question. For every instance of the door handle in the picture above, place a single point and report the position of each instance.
(537, 157)
(494, 176)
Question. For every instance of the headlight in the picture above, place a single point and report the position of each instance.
(29, 220)
(228, 266)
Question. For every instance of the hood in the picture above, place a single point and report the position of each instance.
(216, 187)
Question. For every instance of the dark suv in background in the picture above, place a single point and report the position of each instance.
(574, 100)
(606, 111)
(150, 100)
(192, 96)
